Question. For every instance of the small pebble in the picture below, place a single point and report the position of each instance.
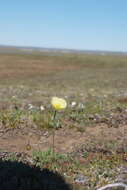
(81, 179)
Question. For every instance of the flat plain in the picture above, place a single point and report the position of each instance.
(91, 131)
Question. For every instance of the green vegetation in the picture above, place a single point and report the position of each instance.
(98, 169)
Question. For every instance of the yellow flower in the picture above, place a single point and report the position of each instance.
(58, 103)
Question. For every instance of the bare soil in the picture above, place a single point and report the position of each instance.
(66, 140)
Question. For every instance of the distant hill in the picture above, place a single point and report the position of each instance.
(31, 50)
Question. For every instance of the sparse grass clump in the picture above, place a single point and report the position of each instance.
(89, 113)
(49, 157)
(11, 119)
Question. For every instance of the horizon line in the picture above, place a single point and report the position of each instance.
(60, 48)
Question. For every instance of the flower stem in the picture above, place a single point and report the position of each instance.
(53, 134)
(53, 138)
(54, 116)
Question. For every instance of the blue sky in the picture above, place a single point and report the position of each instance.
(73, 24)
